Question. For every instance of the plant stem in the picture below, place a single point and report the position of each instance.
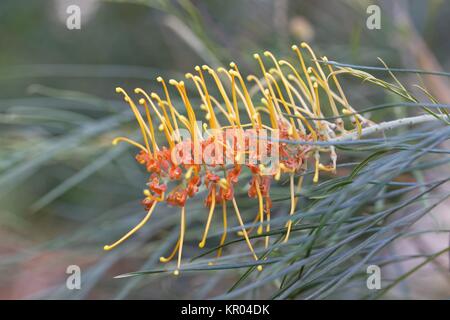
(384, 126)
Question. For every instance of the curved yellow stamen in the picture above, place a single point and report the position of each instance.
(286, 86)
(161, 118)
(269, 86)
(285, 105)
(172, 254)
(294, 107)
(132, 142)
(305, 70)
(266, 93)
(191, 115)
(306, 108)
(254, 117)
(293, 203)
(223, 111)
(238, 215)
(304, 120)
(144, 129)
(150, 123)
(234, 92)
(210, 215)
(207, 102)
(261, 208)
(302, 85)
(169, 103)
(322, 75)
(316, 171)
(247, 99)
(250, 230)
(132, 231)
(180, 247)
(271, 109)
(317, 110)
(206, 93)
(177, 114)
(267, 240)
(219, 85)
(343, 97)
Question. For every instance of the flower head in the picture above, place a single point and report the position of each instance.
(293, 101)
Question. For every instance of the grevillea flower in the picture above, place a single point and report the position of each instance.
(289, 107)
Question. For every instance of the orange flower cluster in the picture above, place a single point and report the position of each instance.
(207, 159)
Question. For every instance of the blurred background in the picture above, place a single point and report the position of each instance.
(65, 192)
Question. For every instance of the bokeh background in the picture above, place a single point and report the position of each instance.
(65, 191)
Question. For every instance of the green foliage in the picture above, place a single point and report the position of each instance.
(63, 186)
